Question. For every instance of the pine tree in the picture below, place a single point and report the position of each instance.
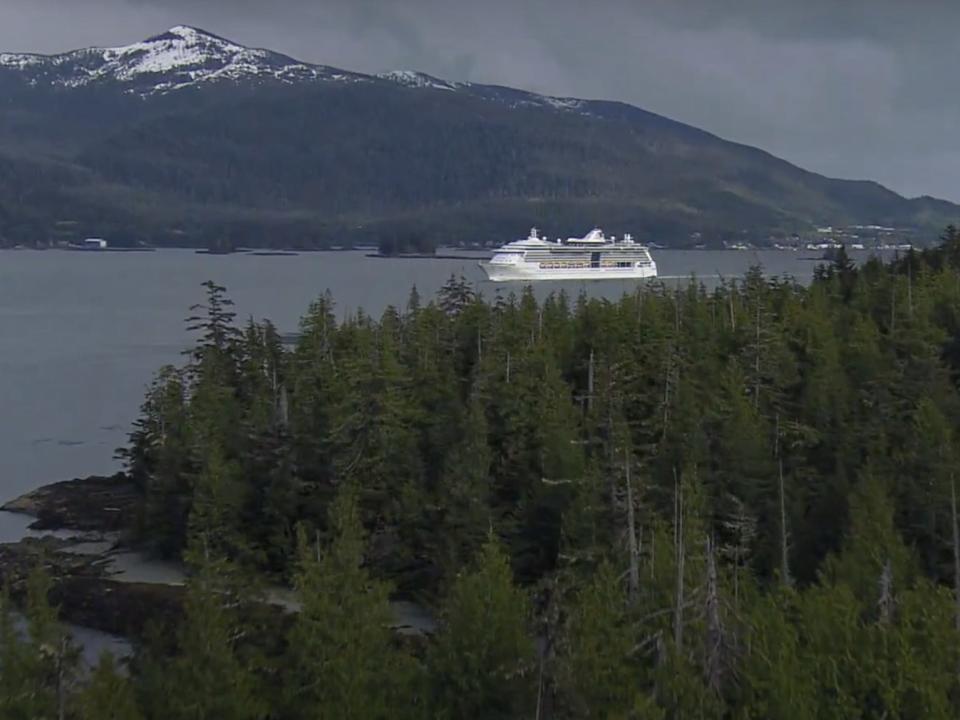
(464, 496)
(24, 694)
(38, 668)
(602, 671)
(872, 543)
(343, 663)
(480, 664)
(209, 678)
(108, 695)
(775, 681)
(160, 463)
(216, 516)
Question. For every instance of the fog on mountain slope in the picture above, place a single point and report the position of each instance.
(189, 139)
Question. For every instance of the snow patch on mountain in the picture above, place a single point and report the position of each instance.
(185, 57)
(506, 96)
(563, 103)
(179, 58)
(411, 78)
(20, 61)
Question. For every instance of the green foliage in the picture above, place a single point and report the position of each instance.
(602, 668)
(230, 166)
(38, 662)
(481, 664)
(209, 677)
(25, 690)
(464, 494)
(776, 681)
(728, 504)
(342, 659)
(108, 695)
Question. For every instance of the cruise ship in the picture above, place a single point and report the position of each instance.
(592, 257)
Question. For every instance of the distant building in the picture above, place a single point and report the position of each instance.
(95, 244)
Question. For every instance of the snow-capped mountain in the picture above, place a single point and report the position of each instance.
(180, 58)
(186, 137)
(187, 57)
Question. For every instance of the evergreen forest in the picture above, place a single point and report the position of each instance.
(729, 502)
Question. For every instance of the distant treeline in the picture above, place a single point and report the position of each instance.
(360, 163)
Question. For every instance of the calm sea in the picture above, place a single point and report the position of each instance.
(81, 334)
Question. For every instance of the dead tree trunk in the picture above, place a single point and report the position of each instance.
(733, 316)
(634, 578)
(956, 550)
(885, 603)
(590, 383)
(909, 286)
(784, 546)
(653, 556)
(540, 689)
(609, 448)
(713, 666)
(893, 305)
(671, 377)
(62, 678)
(678, 539)
(756, 363)
(283, 411)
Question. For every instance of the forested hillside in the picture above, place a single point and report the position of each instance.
(738, 503)
(271, 152)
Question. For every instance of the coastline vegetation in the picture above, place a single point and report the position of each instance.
(734, 503)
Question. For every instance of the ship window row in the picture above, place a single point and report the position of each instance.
(548, 257)
(563, 265)
(573, 265)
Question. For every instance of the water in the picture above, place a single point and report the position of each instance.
(91, 643)
(82, 334)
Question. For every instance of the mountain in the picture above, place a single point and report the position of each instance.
(188, 138)
(180, 58)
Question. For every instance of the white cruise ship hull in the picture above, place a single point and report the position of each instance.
(528, 272)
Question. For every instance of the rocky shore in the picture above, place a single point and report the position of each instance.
(92, 518)
(95, 504)
(89, 559)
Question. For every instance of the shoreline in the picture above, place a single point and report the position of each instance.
(372, 251)
(87, 524)
(426, 256)
(102, 581)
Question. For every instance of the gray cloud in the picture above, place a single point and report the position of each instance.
(861, 89)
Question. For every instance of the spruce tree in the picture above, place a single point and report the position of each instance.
(209, 677)
(24, 693)
(343, 663)
(775, 678)
(481, 663)
(602, 670)
(108, 694)
(464, 495)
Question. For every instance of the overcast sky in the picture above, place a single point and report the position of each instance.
(849, 88)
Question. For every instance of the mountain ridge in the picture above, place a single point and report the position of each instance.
(189, 54)
(188, 137)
